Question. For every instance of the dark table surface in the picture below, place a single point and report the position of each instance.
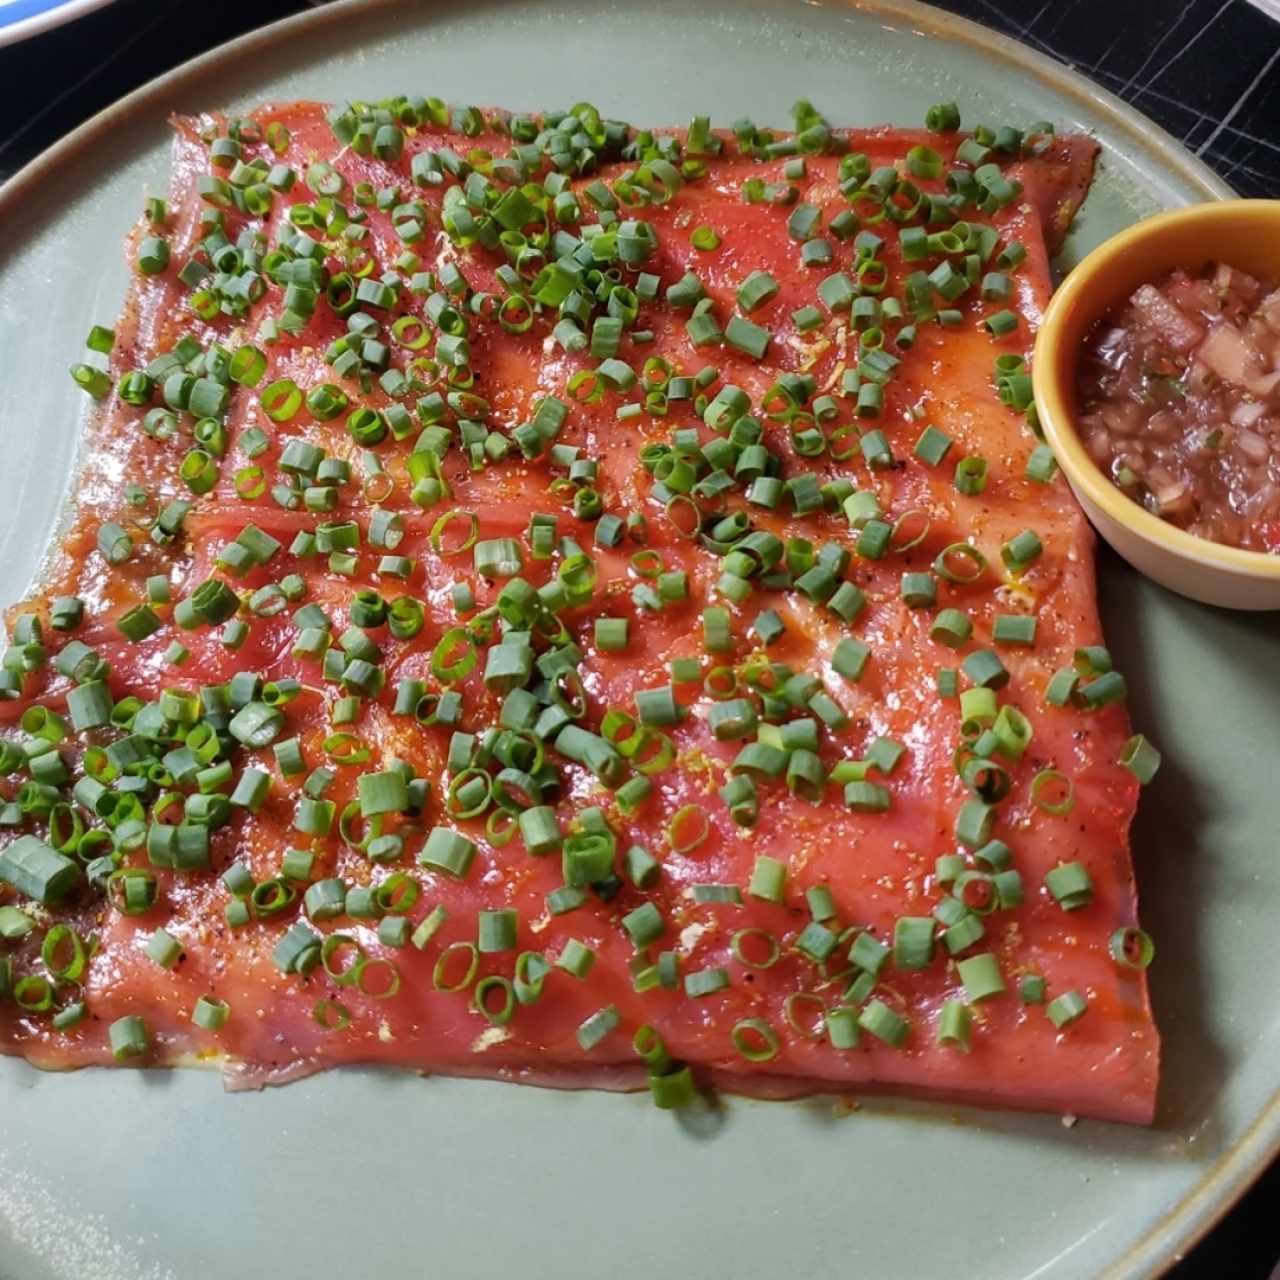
(1208, 71)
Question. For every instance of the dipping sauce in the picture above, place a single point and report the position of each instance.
(1180, 398)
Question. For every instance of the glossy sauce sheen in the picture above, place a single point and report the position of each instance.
(878, 866)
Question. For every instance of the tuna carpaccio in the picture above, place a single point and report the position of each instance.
(537, 581)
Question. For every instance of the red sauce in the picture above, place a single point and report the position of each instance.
(1180, 389)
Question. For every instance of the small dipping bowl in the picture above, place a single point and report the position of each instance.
(1242, 233)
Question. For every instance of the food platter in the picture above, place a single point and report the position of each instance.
(495, 1175)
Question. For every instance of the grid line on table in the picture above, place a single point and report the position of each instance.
(1239, 102)
(1159, 44)
(1222, 101)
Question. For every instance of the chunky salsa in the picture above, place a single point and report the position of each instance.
(1180, 400)
(563, 602)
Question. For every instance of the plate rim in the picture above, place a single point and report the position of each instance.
(1174, 1234)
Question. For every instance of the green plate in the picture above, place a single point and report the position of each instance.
(361, 1173)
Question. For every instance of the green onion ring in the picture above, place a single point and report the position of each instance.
(460, 780)
(500, 827)
(688, 814)
(380, 965)
(647, 563)
(272, 896)
(65, 842)
(846, 432)
(451, 672)
(438, 531)
(529, 988)
(976, 889)
(95, 843)
(411, 332)
(594, 387)
(281, 399)
(398, 892)
(742, 1035)
(406, 617)
(332, 1015)
(336, 744)
(987, 779)
(515, 314)
(1131, 947)
(277, 137)
(761, 676)
(738, 946)
(968, 552)
(132, 901)
(74, 967)
(651, 1049)
(868, 196)
(97, 764)
(1052, 778)
(332, 945)
(514, 790)
(480, 1002)
(34, 993)
(656, 373)
(916, 512)
(720, 683)
(250, 482)
(347, 828)
(442, 965)
(679, 503)
(792, 1004)
(575, 700)
(664, 750)
(617, 726)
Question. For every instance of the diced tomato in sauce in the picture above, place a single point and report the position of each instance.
(1180, 403)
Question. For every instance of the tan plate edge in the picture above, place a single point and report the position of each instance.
(1234, 1171)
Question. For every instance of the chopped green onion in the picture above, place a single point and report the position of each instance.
(1131, 948)
(755, 1039)
(1050, 783)
(768, 879)
(955, 1025)
(879, 1020)
(1071, 885)
(1066, 1008)
(129, 1038)
(595, 1028)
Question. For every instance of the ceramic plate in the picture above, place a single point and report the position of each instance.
(127, 1174)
